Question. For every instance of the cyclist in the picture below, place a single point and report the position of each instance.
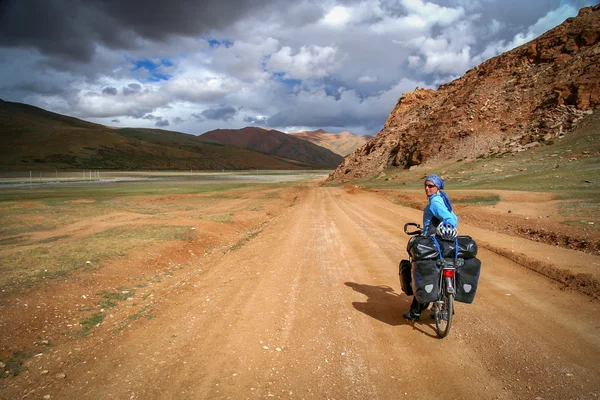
(439, 219)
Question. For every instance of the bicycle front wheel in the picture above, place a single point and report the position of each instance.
(443, 315)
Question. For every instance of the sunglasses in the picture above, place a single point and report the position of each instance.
(430, 186)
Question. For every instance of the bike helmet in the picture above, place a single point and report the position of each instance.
(446, 231)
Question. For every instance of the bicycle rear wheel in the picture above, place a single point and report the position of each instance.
(443, 315)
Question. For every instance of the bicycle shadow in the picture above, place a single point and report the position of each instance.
(387, 306)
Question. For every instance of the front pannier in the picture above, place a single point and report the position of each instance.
(467, 277)
(422, 248)
(425, 280)
(405, 278)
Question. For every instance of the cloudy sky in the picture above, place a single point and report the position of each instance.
(193, 66)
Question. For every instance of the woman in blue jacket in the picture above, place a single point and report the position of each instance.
(439, 219)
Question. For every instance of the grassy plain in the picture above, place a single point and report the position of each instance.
(48, 230)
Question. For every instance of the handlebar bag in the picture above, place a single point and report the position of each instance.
(405, 277)
(467, 277)
(425, 280)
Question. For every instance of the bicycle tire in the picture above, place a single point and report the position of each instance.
(443, 316)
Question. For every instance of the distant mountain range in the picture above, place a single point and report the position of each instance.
(33, 138)
(276, 143)
(340, 143)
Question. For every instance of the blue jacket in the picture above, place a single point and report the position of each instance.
(436, 212)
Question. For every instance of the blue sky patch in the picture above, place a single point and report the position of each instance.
(215, 43)
(154, 69)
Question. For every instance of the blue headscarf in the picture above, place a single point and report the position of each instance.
(439, 183)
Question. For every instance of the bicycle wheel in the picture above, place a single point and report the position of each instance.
(443, 315)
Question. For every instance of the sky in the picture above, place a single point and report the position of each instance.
(194, 66)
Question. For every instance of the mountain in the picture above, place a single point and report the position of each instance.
(277, 144)
(529, 96)
(342, 143)
(33, 138)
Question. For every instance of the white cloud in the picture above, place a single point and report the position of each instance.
(547, 22)
(367, 79)
(433, 13)
(337, 17)
(309, 62)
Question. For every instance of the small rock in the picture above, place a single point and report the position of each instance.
(44, 372)
(46, 396)
(60, 375)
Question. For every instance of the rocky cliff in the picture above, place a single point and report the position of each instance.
(527, 97)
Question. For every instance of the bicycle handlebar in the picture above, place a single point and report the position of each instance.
(419, 231)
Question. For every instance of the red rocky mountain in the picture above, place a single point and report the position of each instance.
(342, 143)
(526, 97)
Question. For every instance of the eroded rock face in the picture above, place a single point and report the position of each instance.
(531, 94)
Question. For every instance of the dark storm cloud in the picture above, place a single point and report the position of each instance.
(110, 91)
(132, 88)
(223, 112)
(162, 123)
(36, 86)
(73, 28)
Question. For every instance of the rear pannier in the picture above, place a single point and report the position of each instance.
(405, 277)
(425, 280)
(423, 248)
(467, 277)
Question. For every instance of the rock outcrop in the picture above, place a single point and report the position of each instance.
(520, 99)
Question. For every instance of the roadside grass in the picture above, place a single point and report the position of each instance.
(477, 200)
(14, 366)
(90, 322)
(108, 300)
(143, 312)
(240, 243)
(53, 260)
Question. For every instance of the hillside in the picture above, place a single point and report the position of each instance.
(531, 96)
(343, 143)
(277, 144)
(33, 138)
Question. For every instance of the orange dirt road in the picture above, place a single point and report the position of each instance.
(311, 308)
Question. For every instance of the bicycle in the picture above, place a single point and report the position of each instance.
(443, 308)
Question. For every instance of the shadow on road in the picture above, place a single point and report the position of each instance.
(386, 306)
(382, 303)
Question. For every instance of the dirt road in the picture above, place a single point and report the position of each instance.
(310, 308)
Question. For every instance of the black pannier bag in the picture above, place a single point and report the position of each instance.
(467, 277)
(467, 248)
(425, 280)
(423, 248)
(405, 278)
